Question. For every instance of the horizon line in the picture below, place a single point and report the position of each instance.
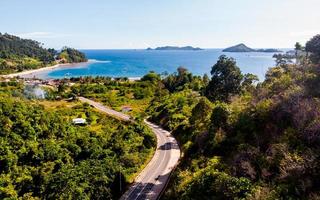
(211, 48)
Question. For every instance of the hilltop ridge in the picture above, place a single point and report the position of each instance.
(18, 54)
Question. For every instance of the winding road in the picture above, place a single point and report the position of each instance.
(151, 182)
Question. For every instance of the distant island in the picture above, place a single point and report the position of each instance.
(186, 48)
(243, 48)
(268, 50)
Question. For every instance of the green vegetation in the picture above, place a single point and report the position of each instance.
(252, 141)
(181, 80)
(239, 48)
(225, 81)
(44, 156)
(18, 54)
(119, 93)
(243, 48)
(12, 46)
(313, 46)
(70, 55)
(240, 139)
(114, 93)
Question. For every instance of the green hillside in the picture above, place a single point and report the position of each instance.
(70, 55)
(240, 138)
(43, 155)
(17, 54)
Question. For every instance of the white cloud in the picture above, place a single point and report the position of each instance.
(39, 35)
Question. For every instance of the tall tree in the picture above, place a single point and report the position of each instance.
(201, 115)
(297, 47)
(313, 46)
(205, 79)
(282, 59)
(225, 81)
(178, 81)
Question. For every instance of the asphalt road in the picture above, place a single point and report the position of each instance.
(102, 108)
(153, 179)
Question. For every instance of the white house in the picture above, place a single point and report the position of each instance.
(79, 121)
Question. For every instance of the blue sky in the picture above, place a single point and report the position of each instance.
(109, 24)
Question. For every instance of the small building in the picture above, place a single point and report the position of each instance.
(79, 121)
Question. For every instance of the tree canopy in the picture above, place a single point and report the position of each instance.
(251, 141)
(225, 81)
(17, 54)
(43, 155)
(313, 46)
(13, 46)
(70, 55)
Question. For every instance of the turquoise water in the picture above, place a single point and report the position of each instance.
(136, 63)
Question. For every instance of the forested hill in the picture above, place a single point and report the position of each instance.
(243, 48)
(44, 155)
(242, 140)
(70, 55)
(13, 46)
(17, 54)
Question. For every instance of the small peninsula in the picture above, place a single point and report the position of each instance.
(186, 48)
(17, 55)
(243, 48)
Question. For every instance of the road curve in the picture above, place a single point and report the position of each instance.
(104, 109)
(150, 183)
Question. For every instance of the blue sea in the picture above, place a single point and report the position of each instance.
(136, 63)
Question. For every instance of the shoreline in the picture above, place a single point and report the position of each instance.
(28, 72)
(44, 69)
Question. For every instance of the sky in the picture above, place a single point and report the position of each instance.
(136, 24)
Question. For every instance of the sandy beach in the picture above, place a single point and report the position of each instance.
(31, 71)
(36, 71)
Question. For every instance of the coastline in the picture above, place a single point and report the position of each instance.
(44, 69)
(28, 72)
(130, 63)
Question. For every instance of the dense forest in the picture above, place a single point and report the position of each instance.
(43, 155)
(18, 54)
(240, 138)
(70, 55)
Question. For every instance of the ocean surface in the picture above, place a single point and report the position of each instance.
(136, 63)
